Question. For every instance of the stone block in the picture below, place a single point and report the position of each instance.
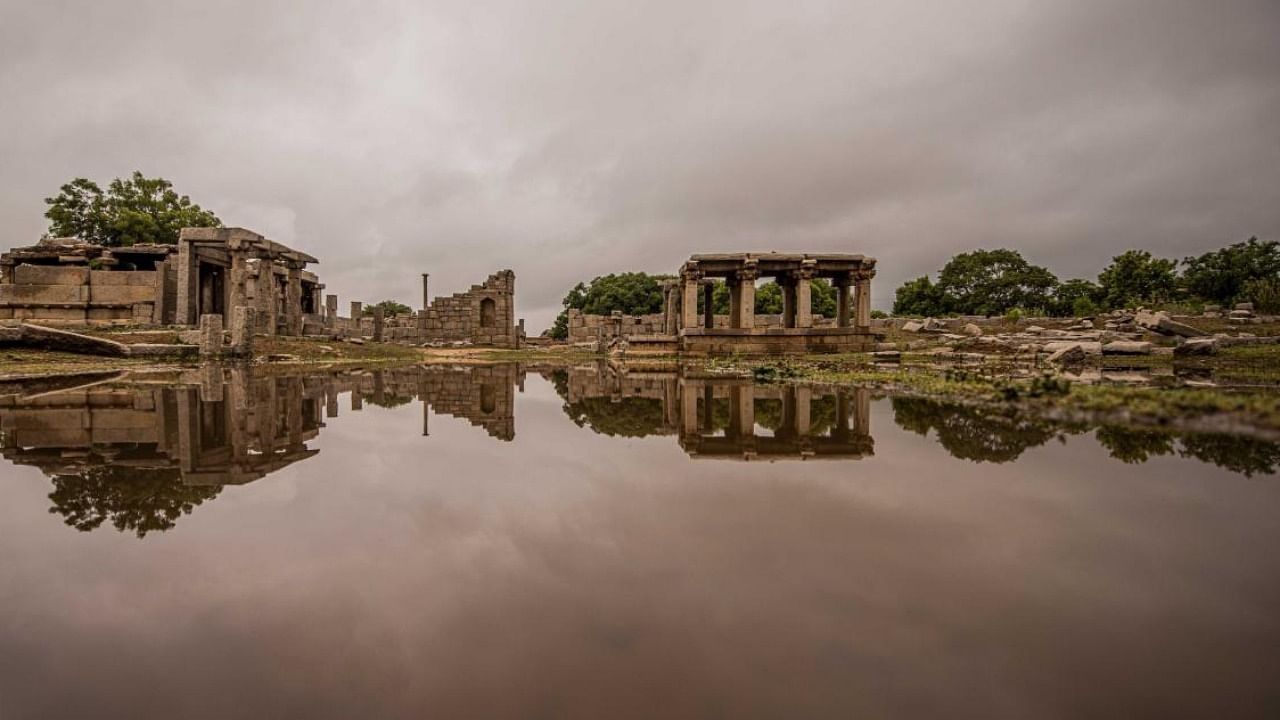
(50, 275)
(126, 294)
(32, 294)
(122, 277)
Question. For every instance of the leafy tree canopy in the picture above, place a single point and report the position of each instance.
(132, 211)
(1220, 276)
(632, 293)
(390, 308)
(919, 297)
(992, 282)
(1136, 277)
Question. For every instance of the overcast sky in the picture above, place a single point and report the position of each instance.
(565, 140)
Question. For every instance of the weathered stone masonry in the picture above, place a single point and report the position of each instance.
(483, 315)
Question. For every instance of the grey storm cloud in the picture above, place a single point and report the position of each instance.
(568, 139)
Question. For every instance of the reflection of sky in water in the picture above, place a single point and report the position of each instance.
(572, 573)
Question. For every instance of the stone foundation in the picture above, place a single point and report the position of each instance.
(776, 341)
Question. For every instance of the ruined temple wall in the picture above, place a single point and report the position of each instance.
(79, 295)
(462, 317)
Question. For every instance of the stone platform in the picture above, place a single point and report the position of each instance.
(776, 341)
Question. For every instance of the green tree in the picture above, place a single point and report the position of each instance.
(918, 297)
(1220, 276)
(1076, 297)
(134, 210)
(632, 293)
(1136, 277)
(390, 308)
(79, 211)
(992, 282)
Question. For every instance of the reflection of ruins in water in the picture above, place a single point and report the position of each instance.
(142, 455)
(723, 418)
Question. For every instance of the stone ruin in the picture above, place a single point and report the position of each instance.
(684, 328)
(236, 281)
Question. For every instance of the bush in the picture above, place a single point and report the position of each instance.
(1264, 293)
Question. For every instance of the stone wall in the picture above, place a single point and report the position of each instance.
(590, 328)
(78, 295)
(483, 315)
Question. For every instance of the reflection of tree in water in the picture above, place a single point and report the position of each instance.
(388, 400)
(1245, 455)
(139, 499)
(1134, 446)
(970, 433)
(628, 417)
(1240, 454)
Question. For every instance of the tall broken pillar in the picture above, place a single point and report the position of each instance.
(330, 307)
(377, 323)
(426, 296)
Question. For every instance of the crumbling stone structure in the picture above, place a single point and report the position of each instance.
(483, 315)
(66, 281)
(224, 268)
(226, 428)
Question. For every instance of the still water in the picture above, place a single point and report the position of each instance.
(517, 542)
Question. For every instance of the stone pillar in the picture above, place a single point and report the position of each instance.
(357, 400)
(238, 278)
(293, 301)
(268, 303)
(841, 284)
(243, 326)
(377, 323)
(863, 308)
(689, 279)
(357, 308)
(742, 411)
(689, 407)
(861, 411)
(331, 403)
(708, 306)
(188, 284)
(804, 409)
(804, 298)
(210, 336)
(330, 306)
(670, 308)
(426, 297)
(743, 299)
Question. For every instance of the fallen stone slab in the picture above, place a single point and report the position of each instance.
(912, 326)
(1163, 324)
(1072, 354)
(1197, 346)
(972, 330)
(886, 355)
(1127, 347)
(47, 338)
